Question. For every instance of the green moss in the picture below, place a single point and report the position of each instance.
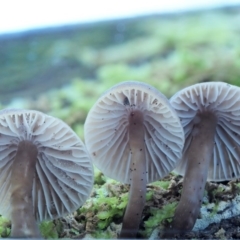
(107, 205)
(218, 190)
(48, 230)
(5, 232)
(5, 227)
(157, 217)
(149, 195)
(161, 184)
(99, 177)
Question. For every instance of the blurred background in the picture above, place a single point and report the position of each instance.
(60, 56)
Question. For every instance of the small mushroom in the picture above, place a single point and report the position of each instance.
(135, 137)
(45, 171)
(210, 115)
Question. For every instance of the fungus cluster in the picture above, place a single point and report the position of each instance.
(134, 136)
(45, 170)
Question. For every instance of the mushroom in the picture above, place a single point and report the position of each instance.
(210, 115)
(134, 136)
(45, 170)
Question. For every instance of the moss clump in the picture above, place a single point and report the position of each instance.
(157, 217)
(5, 227)
(149, 195)
(106, 205)
(48, 230)
(161, 184)
(99, 177)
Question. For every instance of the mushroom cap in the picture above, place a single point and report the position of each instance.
(107, 136)
(64, 172)
(223, 100)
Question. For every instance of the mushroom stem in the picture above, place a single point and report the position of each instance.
(137, 193)
(23, 173)
(198, 155)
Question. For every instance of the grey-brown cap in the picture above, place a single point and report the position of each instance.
(64, 171)
(107, 135)
(223, 100)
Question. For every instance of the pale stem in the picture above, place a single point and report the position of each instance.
(23, 172)
(198, 157)
(137, 193)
